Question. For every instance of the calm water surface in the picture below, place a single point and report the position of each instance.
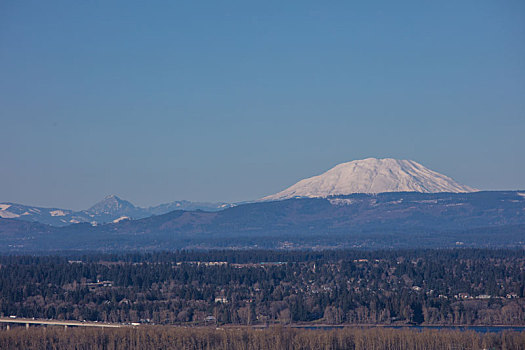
(479, 329)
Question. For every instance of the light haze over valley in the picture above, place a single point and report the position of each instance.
(262, 175)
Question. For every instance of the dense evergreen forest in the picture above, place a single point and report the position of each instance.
(163, 337)
(429, 287)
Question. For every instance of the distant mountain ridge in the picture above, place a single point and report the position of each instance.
(369, 175)
(110, 209)
(385, 220)
(372, 175)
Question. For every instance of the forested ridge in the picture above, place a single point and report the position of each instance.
(429, 287)
(392, 220)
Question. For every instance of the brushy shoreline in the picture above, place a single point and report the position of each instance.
(166, 337)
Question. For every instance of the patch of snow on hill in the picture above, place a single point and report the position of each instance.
(8, 215)
(121, 219)
(341, 201)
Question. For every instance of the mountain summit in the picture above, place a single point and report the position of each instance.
(111, 205)
(372, 175)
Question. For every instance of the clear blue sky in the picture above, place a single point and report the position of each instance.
(232, 100)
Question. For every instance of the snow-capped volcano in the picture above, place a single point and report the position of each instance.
(372, 175)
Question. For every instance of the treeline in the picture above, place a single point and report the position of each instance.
(158, 337)
(260, 255)
(434, 287)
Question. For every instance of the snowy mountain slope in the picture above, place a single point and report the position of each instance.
(110, 209)
(52, 216)
(372, 175)
(187, 205)
(112, 205)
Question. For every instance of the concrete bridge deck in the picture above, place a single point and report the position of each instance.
(30, 321)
